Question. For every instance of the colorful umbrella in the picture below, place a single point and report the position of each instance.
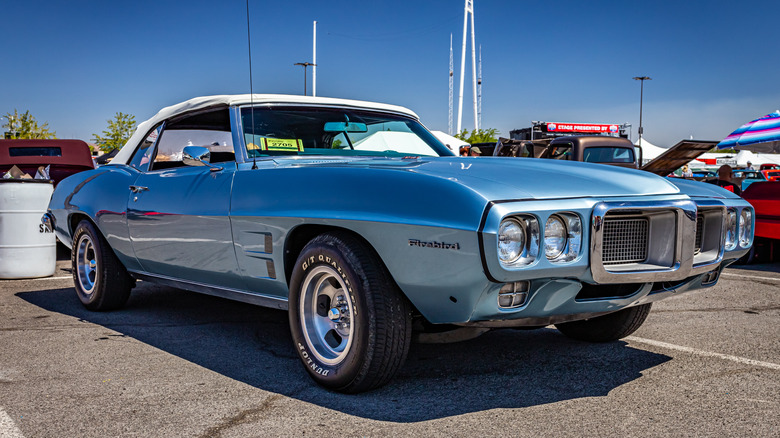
(760, 135)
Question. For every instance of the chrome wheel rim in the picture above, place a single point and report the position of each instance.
(326, 313)
(86, 264)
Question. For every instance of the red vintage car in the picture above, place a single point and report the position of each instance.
(764, 196)
(771, 174)
(64, 157)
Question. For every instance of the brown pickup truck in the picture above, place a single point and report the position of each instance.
(65, 157)
(589, 148)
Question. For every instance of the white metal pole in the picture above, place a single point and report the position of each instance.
(474, 70)
(314, 61)
(479, 86)
(462, 65)
(449, 125)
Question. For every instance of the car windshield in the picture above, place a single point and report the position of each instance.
(608, 155)
(273, 131)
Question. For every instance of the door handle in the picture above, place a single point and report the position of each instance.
(138, 189)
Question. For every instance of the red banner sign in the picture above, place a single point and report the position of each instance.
(581, 127)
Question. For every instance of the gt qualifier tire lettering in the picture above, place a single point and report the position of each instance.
(349, 322)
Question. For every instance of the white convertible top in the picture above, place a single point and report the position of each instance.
(241, 99)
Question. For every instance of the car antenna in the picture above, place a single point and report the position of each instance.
(251, 91)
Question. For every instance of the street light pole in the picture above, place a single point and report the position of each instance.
(305, 64)
(641, 80)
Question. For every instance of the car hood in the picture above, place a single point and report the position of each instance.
(699, 189)
(501, 178)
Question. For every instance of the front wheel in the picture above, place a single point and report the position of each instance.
(607, 328)
(100, 279)
(349, 322)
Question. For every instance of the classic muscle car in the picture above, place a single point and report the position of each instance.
(357, 220)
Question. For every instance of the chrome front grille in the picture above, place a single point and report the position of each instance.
(625, 240)
(699, 233)
(649, 241)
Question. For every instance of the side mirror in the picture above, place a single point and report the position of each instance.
(197, 156)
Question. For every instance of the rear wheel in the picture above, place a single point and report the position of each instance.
(100, 279)
(607, 328)
(350, 324)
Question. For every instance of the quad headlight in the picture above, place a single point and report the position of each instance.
(518, 240)
(511, 240)
(746, 228)
(731, 229)
(555, 236)
(562, 237)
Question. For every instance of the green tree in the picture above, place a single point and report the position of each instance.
(25, 126)
(118, 132)
(478, 135)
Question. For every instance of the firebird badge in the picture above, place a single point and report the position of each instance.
(438, 245)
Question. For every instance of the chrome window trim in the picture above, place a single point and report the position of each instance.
(682, 263)
(238, 126)
(153, 147)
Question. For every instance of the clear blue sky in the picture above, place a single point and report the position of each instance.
(714, 64)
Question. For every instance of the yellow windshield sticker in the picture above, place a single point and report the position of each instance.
(282, 144)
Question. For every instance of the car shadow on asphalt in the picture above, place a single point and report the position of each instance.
(501, 369)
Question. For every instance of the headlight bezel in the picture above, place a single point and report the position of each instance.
(560, 233)
(731, 230)
(573, 246)
(530, 250)
(520, 242)
(745, 228)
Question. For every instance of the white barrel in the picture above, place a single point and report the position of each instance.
(28, 249)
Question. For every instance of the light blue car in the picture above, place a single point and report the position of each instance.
(357, 220)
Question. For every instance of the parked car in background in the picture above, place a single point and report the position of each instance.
(362, 225)
(764, 196)
(704, 174)
(771, 174)
(748, 177)
(586, 148)
(64, 157)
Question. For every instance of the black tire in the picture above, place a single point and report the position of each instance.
(350, 324)
(101, 281)
(747, 258)
(607, 328)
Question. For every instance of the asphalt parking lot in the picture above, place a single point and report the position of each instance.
(175, 363)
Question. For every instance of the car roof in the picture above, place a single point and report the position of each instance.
(203, 102)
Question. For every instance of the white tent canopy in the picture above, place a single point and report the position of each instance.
(454, 143)
(757, 159)
(649, 150)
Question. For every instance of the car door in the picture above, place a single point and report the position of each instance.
(178, 215)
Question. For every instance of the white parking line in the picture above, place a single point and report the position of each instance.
(749, 277)
(7, 427)
(742, 360)
(39, 279)
(67, 277)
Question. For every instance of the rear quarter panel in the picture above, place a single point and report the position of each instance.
(100, 194)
